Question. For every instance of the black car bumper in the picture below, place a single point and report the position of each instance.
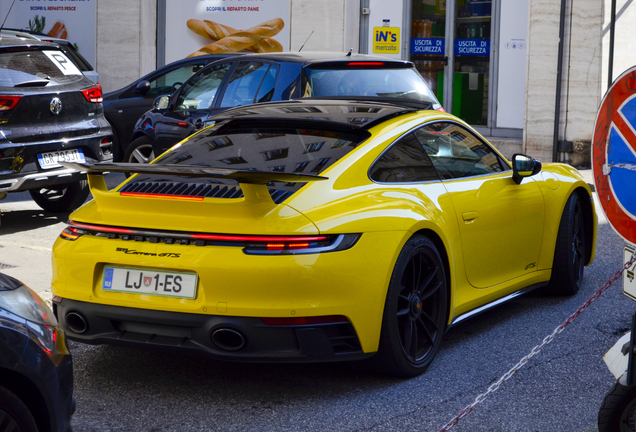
(20, 170)
(222, 337)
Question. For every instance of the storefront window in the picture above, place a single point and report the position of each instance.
(470, 42)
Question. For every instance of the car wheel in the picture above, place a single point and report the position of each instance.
(618, 411)
(139, 151)
(415, 310)
(14, 414)
(61, 198)
(569, 253)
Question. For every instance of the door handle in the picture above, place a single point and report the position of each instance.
(469, 217)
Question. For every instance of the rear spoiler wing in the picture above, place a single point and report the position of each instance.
(241, 176)
(253, 183)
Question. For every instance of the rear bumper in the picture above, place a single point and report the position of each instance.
(23, 157)
(164, 330)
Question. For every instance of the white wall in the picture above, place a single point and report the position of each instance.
(335, 24)
(126, 41)
(625, 34)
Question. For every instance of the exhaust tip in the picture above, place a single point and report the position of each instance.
(228, 339)
(76, 322)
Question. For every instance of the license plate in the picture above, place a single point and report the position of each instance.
(153, 282)
(629, 280)
(53, 159)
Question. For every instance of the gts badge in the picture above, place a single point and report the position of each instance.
(531, 265)
(135, 252)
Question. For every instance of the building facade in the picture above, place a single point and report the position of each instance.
(501, 65)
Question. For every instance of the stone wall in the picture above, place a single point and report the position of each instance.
(126, 41)
(580, 92)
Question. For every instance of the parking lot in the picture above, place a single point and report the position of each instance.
(122, 389)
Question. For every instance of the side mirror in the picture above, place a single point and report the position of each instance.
(524, 166)
(162, 102)
(143, 87)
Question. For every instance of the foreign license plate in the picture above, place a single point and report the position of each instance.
(629, 279)
(153, 282)
(53, 159)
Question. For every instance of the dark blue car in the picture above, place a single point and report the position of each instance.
(36, 370)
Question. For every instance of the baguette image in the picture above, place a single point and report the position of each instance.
(216, 31)
(242, 39)
(58, 30)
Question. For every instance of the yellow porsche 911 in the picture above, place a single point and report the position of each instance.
(318, 230)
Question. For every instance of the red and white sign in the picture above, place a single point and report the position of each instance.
(614, 155)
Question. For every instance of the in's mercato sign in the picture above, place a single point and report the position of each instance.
(472, 47)
(428, 46)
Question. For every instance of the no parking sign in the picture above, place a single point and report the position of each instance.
(614, 155)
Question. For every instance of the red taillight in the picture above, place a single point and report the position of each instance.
(8, 102)
(306, 320)
(174, 197)
(365, 64)
(93, 94)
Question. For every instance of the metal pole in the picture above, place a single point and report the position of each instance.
(557, 105)
(610, 68)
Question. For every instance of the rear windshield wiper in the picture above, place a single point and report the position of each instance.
(33, 83)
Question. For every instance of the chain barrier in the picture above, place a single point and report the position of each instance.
(537, 349)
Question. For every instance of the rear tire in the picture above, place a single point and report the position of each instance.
(139, 151)
(618, 410)
(61, 198)
(569, 253)
(415, 310)
(14, 414)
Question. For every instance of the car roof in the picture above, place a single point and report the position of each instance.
(15, 41)
(351, 113)
(320, 57)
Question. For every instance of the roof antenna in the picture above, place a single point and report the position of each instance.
(301, 48)
(5, 18)
(349, 53)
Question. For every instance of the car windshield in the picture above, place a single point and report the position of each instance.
(49, 67)
(403, 83)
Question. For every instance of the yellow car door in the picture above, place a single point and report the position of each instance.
(500, 222)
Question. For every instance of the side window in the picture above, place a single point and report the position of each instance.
(171, 81)
(244, 84)
(200, 92)
(266, 92)
(457, 153)
(404, 162)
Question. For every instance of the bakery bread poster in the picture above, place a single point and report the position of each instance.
(70, 20)
(201, 27)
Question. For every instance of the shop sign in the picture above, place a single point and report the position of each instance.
(200, 27)
(428, 46)
(472, 47)
(70, 20)
(614, 155)
(386, 40)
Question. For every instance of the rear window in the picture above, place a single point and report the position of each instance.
(272, 149)
(20, 67)
(403, 83)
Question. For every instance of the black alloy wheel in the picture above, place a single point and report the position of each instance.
(415, 310)
(14, 414)
(569, 253)
(61, 198)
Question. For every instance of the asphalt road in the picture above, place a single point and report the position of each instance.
(561, 389)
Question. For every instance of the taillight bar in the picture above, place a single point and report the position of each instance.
(8, 102)
(251, 244)
(93, 94)
(365, 64)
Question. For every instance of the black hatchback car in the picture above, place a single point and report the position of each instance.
(254, 78)
(49, 113)
(36, 369)
(123, 107)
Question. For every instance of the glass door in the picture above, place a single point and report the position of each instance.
(450, 46)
